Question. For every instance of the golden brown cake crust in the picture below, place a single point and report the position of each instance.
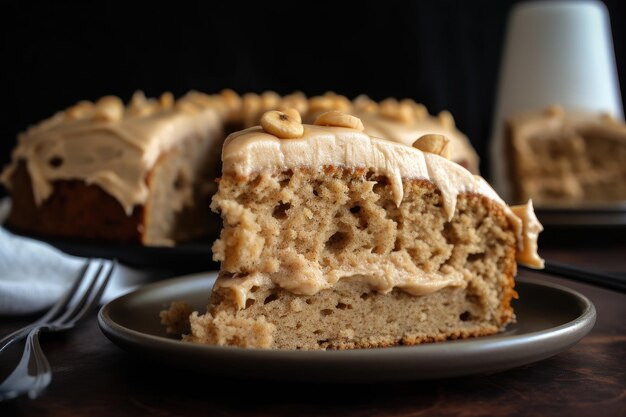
(180, 185)
(74, 210)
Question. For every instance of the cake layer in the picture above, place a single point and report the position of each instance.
(316, 261)
(304, 231)
(346, 317)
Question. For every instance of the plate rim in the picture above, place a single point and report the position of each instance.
(579, 326)
(599, 207)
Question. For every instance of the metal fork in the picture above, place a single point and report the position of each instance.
(33, 373)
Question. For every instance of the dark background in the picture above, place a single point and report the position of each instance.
(444, 54)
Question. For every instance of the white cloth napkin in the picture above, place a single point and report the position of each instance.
(33, 275)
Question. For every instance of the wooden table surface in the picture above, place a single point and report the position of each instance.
(93, 377)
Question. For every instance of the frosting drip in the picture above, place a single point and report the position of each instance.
(530, 224)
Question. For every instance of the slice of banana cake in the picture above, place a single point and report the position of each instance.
(333, 239)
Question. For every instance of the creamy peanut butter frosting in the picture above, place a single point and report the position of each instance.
(415, 282)
(400, 121)
(406, 133)
(531, 228)
(109, 144)
(254, 151)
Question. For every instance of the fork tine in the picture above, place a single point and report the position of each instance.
(60, 305)
(21, 381)
(54, 311)
(96, 297)
(72, 309)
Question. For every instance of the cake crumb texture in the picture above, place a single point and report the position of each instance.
(300, 227)
(226, 329)
(176, 317)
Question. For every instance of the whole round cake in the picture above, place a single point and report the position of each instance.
(143, 172)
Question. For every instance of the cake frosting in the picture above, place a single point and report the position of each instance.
(399, 121)
(124, 143)
(406, 133)
(531, 227)
(253, 150)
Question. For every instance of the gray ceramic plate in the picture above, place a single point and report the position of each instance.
(550, 318)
